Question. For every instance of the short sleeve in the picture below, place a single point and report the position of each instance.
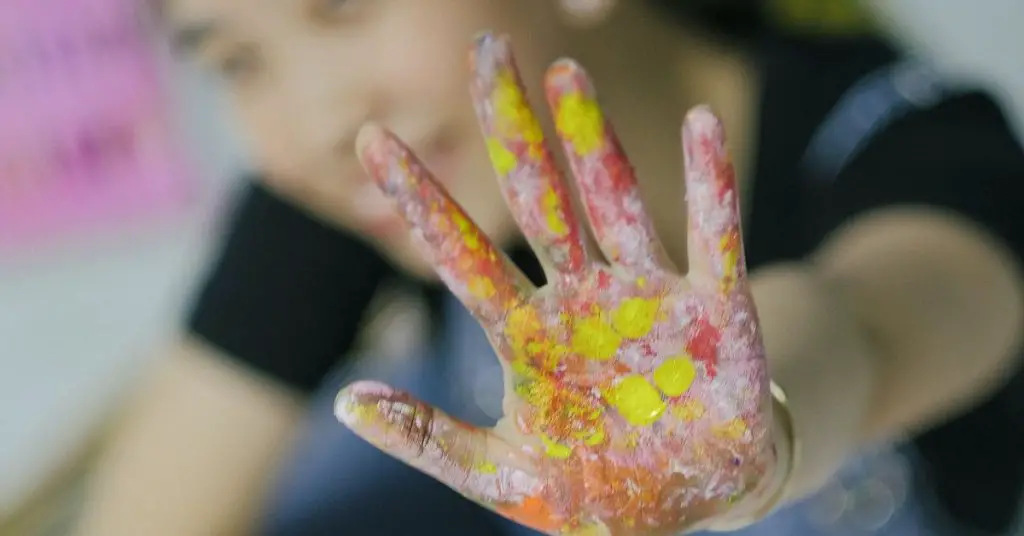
(287, 294)
(959, 155)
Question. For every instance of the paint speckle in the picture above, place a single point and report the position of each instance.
(487, 468)
(689, 410)
(554, 449)
(503, 160)
(534, 512)
(732, 429)
(594, 437)
(553, 214)
(482, 287)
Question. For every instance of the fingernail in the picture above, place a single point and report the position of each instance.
(490, 53)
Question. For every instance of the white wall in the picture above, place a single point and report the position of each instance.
(976, 39)
(78, 321)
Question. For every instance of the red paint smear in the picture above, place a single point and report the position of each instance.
(619, 170)
(619, 183)
(702, 345)
(721, 168)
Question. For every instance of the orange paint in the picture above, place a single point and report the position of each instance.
(603, 482)
(534, 512)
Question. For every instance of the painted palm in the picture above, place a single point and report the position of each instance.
(637, 399)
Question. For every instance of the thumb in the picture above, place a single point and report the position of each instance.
(473, 461)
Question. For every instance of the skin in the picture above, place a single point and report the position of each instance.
(301, 119)
(857, 334)
(638, 400)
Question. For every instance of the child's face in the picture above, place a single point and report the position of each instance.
(304, 75)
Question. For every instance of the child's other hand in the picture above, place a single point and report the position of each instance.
(637, 399)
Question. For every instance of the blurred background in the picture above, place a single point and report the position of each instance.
(77, 317)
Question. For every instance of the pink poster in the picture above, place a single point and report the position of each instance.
(85, 140)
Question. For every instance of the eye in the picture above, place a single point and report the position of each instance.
(333, 10)
(240, 65)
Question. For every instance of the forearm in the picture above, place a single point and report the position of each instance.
(899, 320)
(194, 454)
(822, 362)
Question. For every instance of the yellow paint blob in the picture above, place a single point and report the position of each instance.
(468, 230)
(482, 287)
(555, 450)
(675, 376)
(514, 115)
(486, 468)
(594, 436)
(587, 530)
(637, 401)
(594, 338)
(361, 412)
(503, 160)
(546, 353)
(730, 256)
(732, 429)
(553, 213)
(634, 318)
(521, 324)
(689, 410)
(579, 119)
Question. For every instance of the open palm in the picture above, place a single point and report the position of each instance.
(637, 399)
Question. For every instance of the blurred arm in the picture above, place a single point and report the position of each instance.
(203, 436)
(908, 309)
(195, 453)
(902, 318)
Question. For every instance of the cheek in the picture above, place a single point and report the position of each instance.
(433, 71)
(274, 150)
(430, 59)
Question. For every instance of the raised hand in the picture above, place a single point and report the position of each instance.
(637, 399)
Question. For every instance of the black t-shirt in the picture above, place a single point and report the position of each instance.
(845, 127)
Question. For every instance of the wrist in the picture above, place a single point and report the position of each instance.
(773, 490)
(817, 350)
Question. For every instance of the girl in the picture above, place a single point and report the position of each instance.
(881, 239)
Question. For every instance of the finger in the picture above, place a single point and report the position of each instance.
(479, 274)
(533, 186)
(715, 244)
(605, 177)
(470, 460)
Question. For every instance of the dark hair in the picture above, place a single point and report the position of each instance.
(737, 20)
